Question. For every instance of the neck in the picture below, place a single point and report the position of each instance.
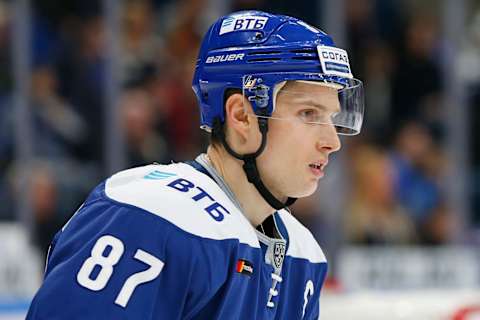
(255, 208)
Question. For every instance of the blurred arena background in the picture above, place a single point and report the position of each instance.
(88, 88)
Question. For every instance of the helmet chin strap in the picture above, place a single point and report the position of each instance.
(250, 164)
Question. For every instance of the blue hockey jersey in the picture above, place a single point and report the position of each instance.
(167, 242)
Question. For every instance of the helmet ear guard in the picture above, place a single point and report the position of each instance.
(258, 53)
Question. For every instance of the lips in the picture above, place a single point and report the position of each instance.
(317, 168)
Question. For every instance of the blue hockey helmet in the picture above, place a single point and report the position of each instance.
(258, 53)
(255, 51)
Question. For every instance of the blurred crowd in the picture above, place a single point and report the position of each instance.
(389, 183)
(395, 173)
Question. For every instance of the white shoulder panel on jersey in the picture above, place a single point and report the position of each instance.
(185, 197)
(301, 244)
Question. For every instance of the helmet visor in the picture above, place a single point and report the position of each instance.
(333, 101)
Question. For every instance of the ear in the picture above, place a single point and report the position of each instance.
(241, 126)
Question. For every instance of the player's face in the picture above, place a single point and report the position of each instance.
(297, 151)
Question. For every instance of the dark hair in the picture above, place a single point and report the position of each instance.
(218, 128)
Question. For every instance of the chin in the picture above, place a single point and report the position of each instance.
(305, 192)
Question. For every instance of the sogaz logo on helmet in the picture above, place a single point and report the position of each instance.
(225, 58)
(334, 61)
(242, 22)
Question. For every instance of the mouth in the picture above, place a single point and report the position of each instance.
(317, 168)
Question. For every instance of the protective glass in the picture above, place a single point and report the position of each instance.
(334, 101)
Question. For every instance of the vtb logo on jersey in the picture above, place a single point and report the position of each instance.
(278, 254)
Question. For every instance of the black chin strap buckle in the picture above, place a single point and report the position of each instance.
(263, 125)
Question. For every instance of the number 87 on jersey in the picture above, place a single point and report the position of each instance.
(98, 268)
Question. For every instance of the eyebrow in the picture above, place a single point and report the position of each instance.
(317, 105)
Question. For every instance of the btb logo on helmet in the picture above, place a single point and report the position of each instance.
(242, 22)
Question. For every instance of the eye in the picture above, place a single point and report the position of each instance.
(308, 115)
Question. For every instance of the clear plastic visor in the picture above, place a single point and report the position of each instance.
(314, 103)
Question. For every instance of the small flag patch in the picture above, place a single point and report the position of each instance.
(244, 267)
(158, 175)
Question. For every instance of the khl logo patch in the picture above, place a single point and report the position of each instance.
(278, 253)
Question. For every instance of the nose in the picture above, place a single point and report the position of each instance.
(329, 140)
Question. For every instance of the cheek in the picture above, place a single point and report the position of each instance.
(285, 145)
(291, 136)
(283, 164)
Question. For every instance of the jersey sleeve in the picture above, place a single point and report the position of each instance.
(115, 261)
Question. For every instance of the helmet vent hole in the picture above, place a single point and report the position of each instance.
(263, 59)
(305, 50)
(259, 53)
(304, 58)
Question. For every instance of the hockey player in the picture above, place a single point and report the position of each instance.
(213, 238)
